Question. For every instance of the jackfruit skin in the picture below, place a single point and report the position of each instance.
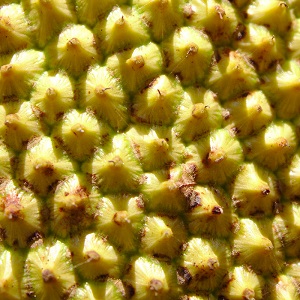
(149, 149)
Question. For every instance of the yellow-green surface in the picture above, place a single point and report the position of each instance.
(149, 149)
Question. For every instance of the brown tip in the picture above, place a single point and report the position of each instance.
(46, 169)
(188, 11)
(73, 42)
(248, 294)
(155, 285)
(116, 162)
(265, 191)
(212, 263)
(192, 49)
(48, 276)
(199, 110)
(78, 129)
(217, 210)
(121, 21)
(100, 91)
(13, 207)
(92, 255)
(282, 142)
(11, 121)
(51, 93)
(121, 218)
(6, 70)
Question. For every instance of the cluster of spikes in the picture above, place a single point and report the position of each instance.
(149, 149)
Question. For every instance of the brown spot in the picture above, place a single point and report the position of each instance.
(167, 60)
(6, 21)
(150, 84)
(187, 181)
(12, 207)
(217, 56)
(211, 263)
(130, 291)
(248, 150)
(3, 235)
(142, 232)
(81, 191)
(188, 11)
(237, 203)
(30, 294)
(183, 276)
(10, 98)
(235, 130)
(257, 213)
(46, 169)
(273, 64)
(190, 172)
(76, 94)
(217, 210)
(262, 81)
(226, 114)
(277, 208)
(194, 200)
(248, 294)
(102, 278)
(162, 257)
(283, 4)
(265, 192)
(253, 63)
(36, 236)
(245, 94)
(140, 202)
(178, 76)
(240, 32)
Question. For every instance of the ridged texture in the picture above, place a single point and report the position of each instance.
(149, 149)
